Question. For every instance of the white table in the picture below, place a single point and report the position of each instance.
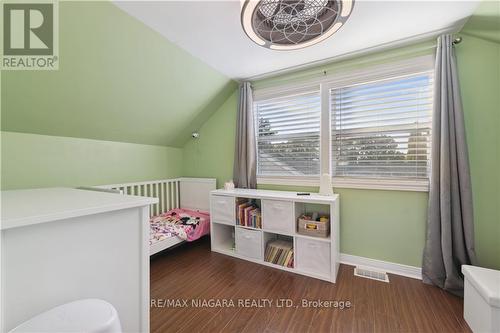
(62, 244)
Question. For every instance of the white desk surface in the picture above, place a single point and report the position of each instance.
(33, 206)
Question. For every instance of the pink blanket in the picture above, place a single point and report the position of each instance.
(189, 225)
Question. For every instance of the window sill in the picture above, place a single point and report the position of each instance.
(366, 183)
(382, 184)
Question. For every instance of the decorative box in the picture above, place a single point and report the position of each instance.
(314, 228)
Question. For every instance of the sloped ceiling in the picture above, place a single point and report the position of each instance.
(211, 30)
(118, 80)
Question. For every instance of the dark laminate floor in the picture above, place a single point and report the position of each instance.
(191, 271)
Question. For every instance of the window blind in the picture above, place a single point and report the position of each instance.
(383, 129)
(288, 134)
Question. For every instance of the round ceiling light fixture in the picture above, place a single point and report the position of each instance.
(293, 24)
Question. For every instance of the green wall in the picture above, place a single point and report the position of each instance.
(212, 154)
(121, 85)
(479, 73)
(118, 80)
(390, 225)
(31, 160)
(485, 23)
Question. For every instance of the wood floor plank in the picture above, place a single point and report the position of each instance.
(261, 294)
(343, 319)
(240, 289)
(278, 295)
(192, 271)
(283, 318)
(216, 288)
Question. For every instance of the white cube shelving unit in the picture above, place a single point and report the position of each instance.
(316, 257)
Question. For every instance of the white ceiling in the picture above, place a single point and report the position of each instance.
(211, 31)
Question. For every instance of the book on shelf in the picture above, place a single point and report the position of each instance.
(279, 252)
(248, 214)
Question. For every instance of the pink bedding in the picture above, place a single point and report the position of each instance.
(187, 224)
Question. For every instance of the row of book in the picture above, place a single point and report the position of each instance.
(248, 214)
(279, 252)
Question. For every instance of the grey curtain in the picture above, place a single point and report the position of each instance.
(450, 229)
(245, 169)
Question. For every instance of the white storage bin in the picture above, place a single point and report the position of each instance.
(313, 256)
(223, 209)
(249, 243)
(481, 298)
(278, 216)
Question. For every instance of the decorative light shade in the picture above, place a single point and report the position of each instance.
(293, 24)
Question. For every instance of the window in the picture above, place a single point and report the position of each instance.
(368, 128)
(288, 134)
(382, 129)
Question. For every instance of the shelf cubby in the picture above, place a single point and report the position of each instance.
(278, 241)
(304, 208)
(223, 237)
(248, 212)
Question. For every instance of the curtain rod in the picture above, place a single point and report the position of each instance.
(374, 49)
(301, 76)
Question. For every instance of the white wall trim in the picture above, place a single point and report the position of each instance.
(389, 267)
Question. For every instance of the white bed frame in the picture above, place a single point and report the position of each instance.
(188, 193)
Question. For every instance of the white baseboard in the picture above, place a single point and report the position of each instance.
(389, 267)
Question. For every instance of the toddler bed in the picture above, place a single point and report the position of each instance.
(181, 213)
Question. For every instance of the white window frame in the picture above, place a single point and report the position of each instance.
(279, 92)
(412, 66)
